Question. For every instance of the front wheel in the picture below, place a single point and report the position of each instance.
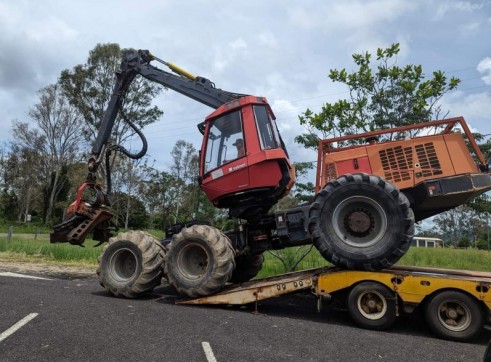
(361, 222)
(454, 315)
(372, 305)
(131, 264)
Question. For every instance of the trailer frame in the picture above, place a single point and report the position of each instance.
(456, 303)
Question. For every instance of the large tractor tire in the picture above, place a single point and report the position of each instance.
(246, 267)
(200, 261)
(131, 264)
(361, 222)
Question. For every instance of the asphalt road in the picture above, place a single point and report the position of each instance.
(76, 320)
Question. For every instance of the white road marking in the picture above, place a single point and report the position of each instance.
(210, 357)
(15, 275)
(18, 326)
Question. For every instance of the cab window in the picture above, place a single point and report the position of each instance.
(266, 129)
(225, 140)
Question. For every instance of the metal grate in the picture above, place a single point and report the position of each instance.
(396, 162)
(428, 159)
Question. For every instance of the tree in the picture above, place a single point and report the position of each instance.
(27, 169)
(185, 161)
(460, 224)
(136, 217)
(385, 97)
(303, 191)
(60, 125)
(8, 198)
(157, 194)
(127, 179)
(185, 171)
(89, 87)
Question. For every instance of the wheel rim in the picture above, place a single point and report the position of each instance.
(372, 305)
(193, 261)
(123, 265)
(359, 221)
(454, 315)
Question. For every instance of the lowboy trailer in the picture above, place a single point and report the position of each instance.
(456, 304)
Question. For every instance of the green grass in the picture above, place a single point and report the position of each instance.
(23, 228)
(272, 265)
(468, 259)
(465, 259)
(41, 250)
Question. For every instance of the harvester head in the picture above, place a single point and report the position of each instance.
(82, 218)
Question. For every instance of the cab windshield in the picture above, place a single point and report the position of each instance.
(225, 141)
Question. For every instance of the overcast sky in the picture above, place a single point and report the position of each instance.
(279, 49)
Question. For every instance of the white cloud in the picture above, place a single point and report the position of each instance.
(289, 128)
(226, 55)
(281, 49)
(484, 67)
(268, 39)
(238, 44)
(50, 29)
(349, 14)
(475, 108)
(457, 6)
(472, 27)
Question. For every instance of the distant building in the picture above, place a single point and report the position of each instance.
(426, 242)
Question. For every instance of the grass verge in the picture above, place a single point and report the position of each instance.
(41, 251)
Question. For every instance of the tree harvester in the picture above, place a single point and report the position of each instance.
(368, 193)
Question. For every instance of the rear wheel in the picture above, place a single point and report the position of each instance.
(372, 305)
(362, 222)
(200, 261)
(246, 267)
(131, 264)
(454, 315)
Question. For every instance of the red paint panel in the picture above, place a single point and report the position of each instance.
(265, 174)
(226, 180)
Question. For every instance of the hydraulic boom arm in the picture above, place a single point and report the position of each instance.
(84, 217)
(138, 63)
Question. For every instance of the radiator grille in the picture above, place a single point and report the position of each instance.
(396, 162)
(428, 160)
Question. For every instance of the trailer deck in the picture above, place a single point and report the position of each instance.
(457, 303)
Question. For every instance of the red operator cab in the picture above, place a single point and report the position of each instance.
(244, 165)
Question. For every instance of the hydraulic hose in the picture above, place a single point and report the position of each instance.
(119, 148)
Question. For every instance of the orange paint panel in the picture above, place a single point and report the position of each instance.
(356, 165)
(462, 161)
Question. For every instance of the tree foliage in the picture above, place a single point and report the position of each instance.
(89, 87)
(381, 96)
(60, 124)
(462, 225)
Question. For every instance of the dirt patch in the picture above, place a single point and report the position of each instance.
(44, 269)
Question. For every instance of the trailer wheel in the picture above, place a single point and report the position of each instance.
(131, 264)
(200, 261)
(361, 222)
(454, 315)
(246, 267)
(372, 305)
